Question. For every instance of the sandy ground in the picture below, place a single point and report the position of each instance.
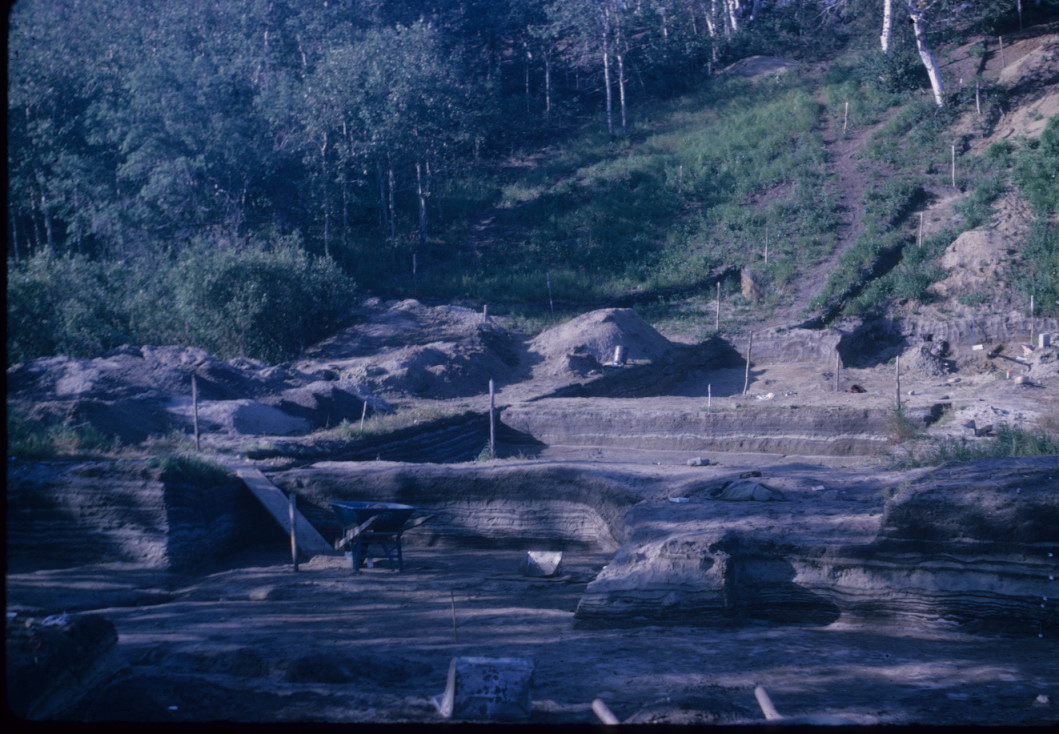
(254, 641)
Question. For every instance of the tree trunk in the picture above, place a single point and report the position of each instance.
(606, 71)
(887, 24)
(547, 88)
(422, 207)
(926, 54)
(47, 224)
(393, 219)
(621, 88)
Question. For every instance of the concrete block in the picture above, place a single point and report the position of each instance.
(487, 689)
(541, 563)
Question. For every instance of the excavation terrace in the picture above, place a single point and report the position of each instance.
(728, 513)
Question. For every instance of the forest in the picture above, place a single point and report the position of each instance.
(234, 174)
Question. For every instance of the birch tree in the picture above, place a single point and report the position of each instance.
(887, 25)
(917, 11)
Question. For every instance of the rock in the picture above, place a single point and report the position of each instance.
(541, 563)
(481, 688)
(698, 461)
(744, 490)
(51, 668)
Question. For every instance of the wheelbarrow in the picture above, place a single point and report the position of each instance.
(372, 530)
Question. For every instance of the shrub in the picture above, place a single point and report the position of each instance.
(261, 301)
(189, 469)
(1037, 171)
(63, 305)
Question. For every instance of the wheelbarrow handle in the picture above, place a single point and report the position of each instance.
(351, 533)
(414, 523)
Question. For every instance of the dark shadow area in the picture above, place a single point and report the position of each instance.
(872, 343)
(761, 587)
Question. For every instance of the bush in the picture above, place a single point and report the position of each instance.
(1037, 171)
(190, 469)
(261, 301)
(63, 305)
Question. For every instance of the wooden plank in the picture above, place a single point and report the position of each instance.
(310, 542)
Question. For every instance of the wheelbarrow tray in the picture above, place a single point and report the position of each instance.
(389, 516)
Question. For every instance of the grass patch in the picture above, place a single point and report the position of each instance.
(189, 469)
(32, 439)
(1009, 442)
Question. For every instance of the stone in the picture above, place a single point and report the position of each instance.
(487, 689)
(541, 563)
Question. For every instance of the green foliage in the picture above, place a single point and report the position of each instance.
(1010, 442)
(34, 439)
(68, 305)
(262, 301)
(902, 428)
(189, 469)
(1039, 274)
(1037, 170)
(259, 300)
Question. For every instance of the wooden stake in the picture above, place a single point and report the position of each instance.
(363, 415)
(293, 530)
(746, 380)
(954, 165)
(452, 600)
(717, 318)
(766, 245)
(600, 709)
(899, 382)
(1001, 40)
(492, 422)
(195, 410)
(920, 237)
(845, 119)
(1032, 320)
(765, 703)
(709, 397)
(977, 99)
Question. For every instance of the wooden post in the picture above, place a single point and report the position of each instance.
(954, 165)
(898, 382)
(746, 380)
(717, 317)
(551, 304)
(766, 245)
(363, 415)
(1032, 320)
(605, 715)
(1001, 40)
(293, 530)
(977, 99)
(919, 238)
(709, 397)
(845, 118)
(452, 601)
(485, 312)
(195, 410)
(767, 708)
(680, 181)
(492, 422)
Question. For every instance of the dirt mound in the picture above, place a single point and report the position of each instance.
(588, 341)
(133, 393)
(977, 263)
(407, 349)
